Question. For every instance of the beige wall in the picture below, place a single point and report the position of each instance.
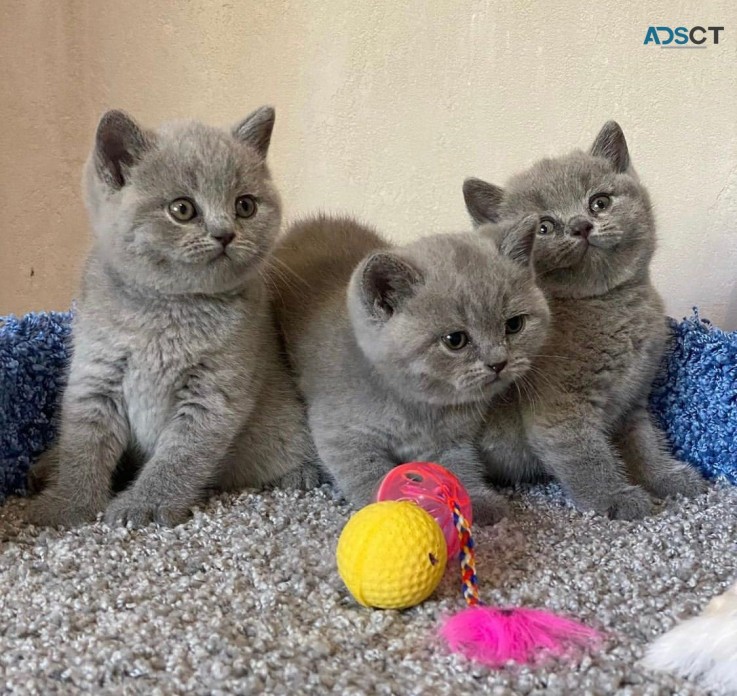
(383, 108)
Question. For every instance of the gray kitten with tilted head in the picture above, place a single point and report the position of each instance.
(176, 366)
(398, 350)
(582, 415)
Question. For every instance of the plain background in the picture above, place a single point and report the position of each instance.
(383, 108)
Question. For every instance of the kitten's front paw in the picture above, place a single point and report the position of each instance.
(489, 508)
(677, 479)
(304, 478)
(130, 507)
(631, 503)
(54, 509)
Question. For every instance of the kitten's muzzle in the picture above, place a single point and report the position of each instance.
(225, 237)
(580, 227)
(606, 240)
(497, 368)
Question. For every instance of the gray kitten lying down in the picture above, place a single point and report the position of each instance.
(582, 416)
(399, 350)
(176, 366)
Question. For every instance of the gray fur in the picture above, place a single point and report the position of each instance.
(581, 414)
(176, 366)
(363, 321)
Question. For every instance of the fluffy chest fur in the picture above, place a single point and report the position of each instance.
(422, 434)
(163, 350)
(602, 350)
(161, 364)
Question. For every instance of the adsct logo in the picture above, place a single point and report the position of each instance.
(682, 37)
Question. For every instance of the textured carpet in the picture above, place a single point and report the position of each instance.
(245, 599)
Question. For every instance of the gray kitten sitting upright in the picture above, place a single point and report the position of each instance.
(399, 350)
(176, 365)
(583, 417)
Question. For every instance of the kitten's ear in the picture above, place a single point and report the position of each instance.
(611, 145)
(119, 144)
(482, 200)
(256, 128)
(386, 282)
(516, 242)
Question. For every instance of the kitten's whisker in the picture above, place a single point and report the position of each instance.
(516, 386)
(273, 284)
(545, 378)
(286, 275)
(524, 394)
(269, 283)
(531, 394)
(273, 276)
(288, 269)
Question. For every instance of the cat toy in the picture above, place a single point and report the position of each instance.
(395, 555)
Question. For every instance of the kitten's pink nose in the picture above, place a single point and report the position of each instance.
(225, 237)
(581, 227)
(497, 367)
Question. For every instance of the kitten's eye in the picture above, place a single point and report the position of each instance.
(515, 324)
(455, 340)
(182, 210)
(547, 226)
(599, 202)
(245, 206)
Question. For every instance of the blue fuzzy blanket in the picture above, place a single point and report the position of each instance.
(694, 397)
(33, 355)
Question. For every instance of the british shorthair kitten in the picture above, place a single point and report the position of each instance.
(176, 367)
(399, 350)
(581, 416)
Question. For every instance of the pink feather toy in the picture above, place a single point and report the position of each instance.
(488, 635)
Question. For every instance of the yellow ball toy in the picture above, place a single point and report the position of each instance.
(391, 555)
